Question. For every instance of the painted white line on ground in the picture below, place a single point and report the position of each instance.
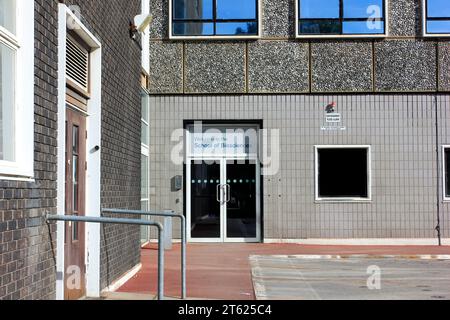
(356, 256)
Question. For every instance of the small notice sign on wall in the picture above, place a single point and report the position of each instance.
(333, 119)
(333, 122)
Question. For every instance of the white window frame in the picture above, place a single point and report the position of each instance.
(444, 171)
(424, 24)
(369, 173)
(172, 37)
(343, 36)
(145, 149)
(22, 168)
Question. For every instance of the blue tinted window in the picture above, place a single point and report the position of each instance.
(317, 9)
(438, 8)
(193, 28)
(363, 8)
(236, 28)
(215, 17)
(193, 9)
(438, 26)
(341, 17)
(236, 9)
(358, 27)
(319, 27)
(438, 16)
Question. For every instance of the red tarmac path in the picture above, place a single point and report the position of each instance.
(222, 271)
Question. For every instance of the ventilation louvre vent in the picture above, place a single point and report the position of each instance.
(77, 64)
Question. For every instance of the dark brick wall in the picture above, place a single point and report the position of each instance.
(27, 245)
(121, 131)
(27, 265)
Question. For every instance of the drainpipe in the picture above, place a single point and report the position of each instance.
(438, 169)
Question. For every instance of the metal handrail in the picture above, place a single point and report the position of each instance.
(166, 213)
(158, 225)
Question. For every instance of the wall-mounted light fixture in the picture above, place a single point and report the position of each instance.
(139, 24)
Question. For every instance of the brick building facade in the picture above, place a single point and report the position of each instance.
(28, 245)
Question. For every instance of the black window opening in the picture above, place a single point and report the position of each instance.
(211, 18)
(343, 173)
(447, 172)
(341, 17)
(437, 16)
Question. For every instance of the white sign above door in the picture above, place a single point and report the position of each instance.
(217, 141)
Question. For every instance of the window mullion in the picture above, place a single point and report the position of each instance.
(214, 17)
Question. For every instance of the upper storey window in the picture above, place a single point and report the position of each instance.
(16, 89)
(214, 18)
(337, 18)
(437, 17)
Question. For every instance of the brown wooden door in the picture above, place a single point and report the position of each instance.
(75, 268)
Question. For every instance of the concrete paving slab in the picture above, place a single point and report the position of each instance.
(126, 296)
(351, 277)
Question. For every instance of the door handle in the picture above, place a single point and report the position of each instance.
(218, 187)
(228, 192)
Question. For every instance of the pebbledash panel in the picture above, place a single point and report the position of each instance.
(393, 135)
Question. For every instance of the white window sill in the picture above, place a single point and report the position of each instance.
(16, 178)
(436, 35)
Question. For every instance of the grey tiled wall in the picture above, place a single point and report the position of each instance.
(278, 63)
(444, 139)
(400, 128)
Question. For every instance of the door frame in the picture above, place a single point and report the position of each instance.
(257, 125)
(66, 18)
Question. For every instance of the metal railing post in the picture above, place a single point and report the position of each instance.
(166, 213)
(161, 263)
(127, 222)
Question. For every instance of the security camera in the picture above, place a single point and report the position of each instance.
(142, 21)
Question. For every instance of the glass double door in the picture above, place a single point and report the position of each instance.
(223, 200)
